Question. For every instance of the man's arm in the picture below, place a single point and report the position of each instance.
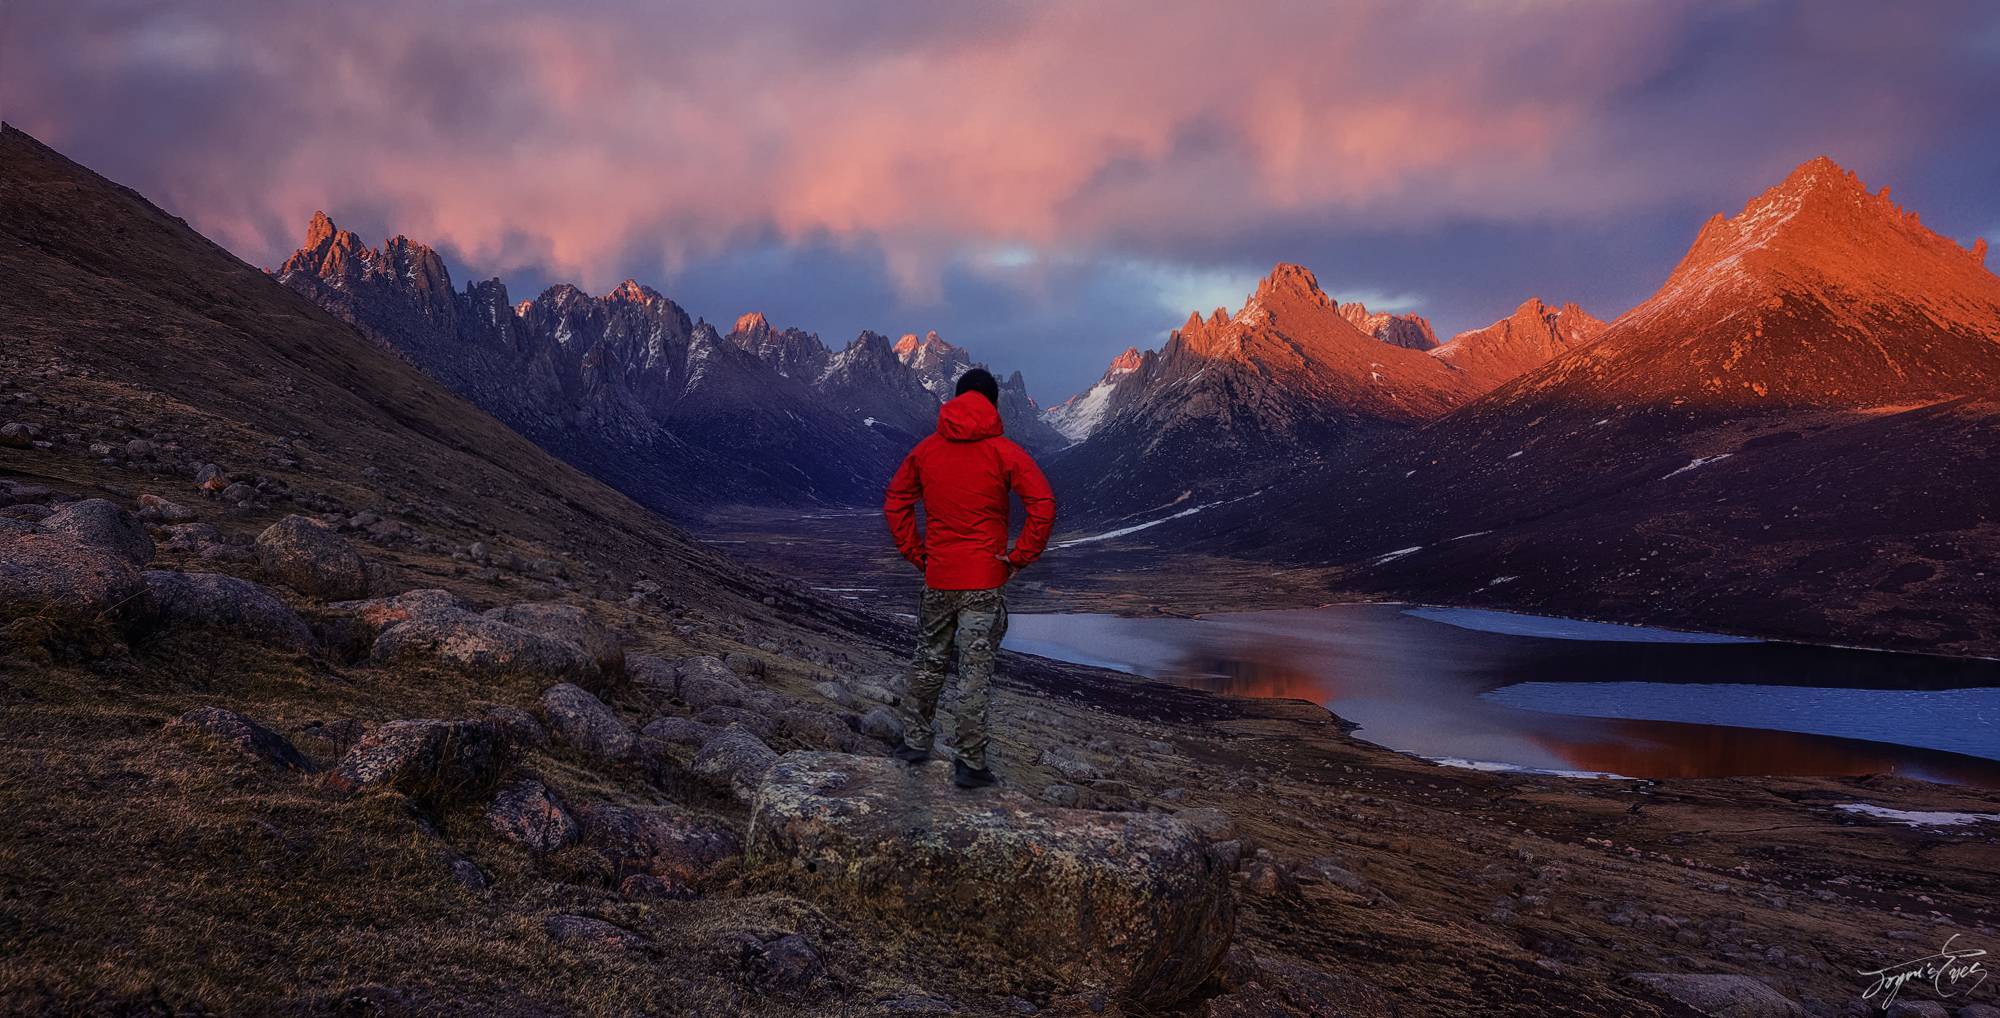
(1027, 481)
(899, 505)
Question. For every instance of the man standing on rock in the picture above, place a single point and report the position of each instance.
(962, 474)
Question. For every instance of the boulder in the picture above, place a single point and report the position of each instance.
(874, 692)
(191, 536)
(705, 682)
(1059, 794)
(216, 601)
(746, 665)
(1129, 903)
(519, 726)
(233, 730)
(569, 623)
(583, 931)
(882, 723)
(166, 512)
(101, 522)
(1721, 995)
(52, 582)
(734, 758)
(311, 558)
(478, 644)
(788, 962)
(663, 841)
(838, 693)
(655, 679)
(426, 759)
(722, 717)
(376, 615)
(817, 729)
(678, 731)
(583, 723)
(527, 813)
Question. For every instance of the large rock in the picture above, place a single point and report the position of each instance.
(655, 679)
(53, 582)
(527, 813)
(103, 523)
(376, 615)
(569, 623)
(216, 601)
(882, 723)
(736, 759)
(678, 731)
(476, 643)
(1721, 995)
(660, 840)
(247, 737)
(705, 681)
(426, 759)
(817, 729)
(583, 722)
(1129, 903)
(309, 557)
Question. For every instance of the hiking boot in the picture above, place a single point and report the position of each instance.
(970, 777)
(911, 755)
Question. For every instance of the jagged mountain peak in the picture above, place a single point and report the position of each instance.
(1822, 222)
(1531, 335)
(632, 291)
(1288, 279)
(1125, 362)
(929, 347)
(1410, 331)
(321, 229)
(753, 324)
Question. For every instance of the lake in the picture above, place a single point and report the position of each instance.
(1500, 690)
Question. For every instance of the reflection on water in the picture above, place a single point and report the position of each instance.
(1414, 684)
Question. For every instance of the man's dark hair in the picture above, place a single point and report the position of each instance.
(981, 381)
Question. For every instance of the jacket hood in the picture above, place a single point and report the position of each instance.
(968, 417)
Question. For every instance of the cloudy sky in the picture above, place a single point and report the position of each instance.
(1046, 183)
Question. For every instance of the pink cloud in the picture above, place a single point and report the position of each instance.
(574, 138)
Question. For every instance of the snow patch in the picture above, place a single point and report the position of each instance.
(1398, 553)
(1493, 767)
(1698, 463)
(1135, 528)
(1918, 818)
(1498, 580)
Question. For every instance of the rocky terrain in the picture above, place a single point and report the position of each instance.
(323, 692)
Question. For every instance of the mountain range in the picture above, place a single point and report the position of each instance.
(1795, 435)
(1232, 402)
(629, 387)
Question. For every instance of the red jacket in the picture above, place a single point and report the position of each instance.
(962, 474)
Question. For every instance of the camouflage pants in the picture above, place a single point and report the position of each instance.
(974, 621)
